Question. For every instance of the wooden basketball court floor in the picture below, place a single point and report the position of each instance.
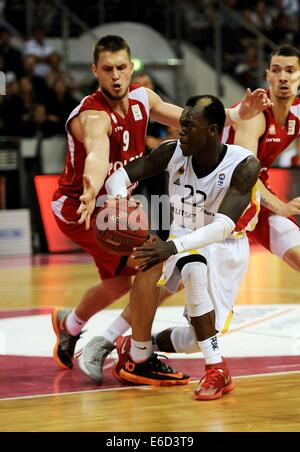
(263, 351)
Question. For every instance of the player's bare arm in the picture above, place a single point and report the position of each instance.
(275, 205)
(233, 206)
(152, 164)
(239, 194)
(163, 112)
(139, 169)
(247, 134)
(95, 126)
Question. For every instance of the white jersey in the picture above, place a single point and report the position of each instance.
(195, 201)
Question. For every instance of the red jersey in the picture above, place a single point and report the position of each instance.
(127, 140)
(275, 138)
(272, 143)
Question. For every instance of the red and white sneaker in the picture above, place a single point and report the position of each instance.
(123, 344)
(216, 382)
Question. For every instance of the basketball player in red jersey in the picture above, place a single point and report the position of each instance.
(106, 131)
(267, 135)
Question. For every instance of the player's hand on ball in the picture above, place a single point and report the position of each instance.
(153, 252)
(121, 225)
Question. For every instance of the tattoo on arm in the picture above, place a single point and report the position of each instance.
(264, 201)
(152, 164)
(239, 194)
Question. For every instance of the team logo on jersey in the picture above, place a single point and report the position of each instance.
(291, 127)
(221, 180)
(272, 129)
(177, 182)
(181, 171)
(137, 112)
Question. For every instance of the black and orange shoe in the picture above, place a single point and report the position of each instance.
(216, 382)
(63, 352)
(153, 371)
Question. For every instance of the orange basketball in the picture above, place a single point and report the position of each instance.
(121, 225)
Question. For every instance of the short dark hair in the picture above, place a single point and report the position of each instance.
(285, 50)
(111, 43)
(213, 110)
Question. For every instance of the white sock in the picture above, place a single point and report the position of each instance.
(117, 328)
(74, 324)
(210, 350)
(141, 351)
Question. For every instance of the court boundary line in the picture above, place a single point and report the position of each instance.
(257, 321)
(142, 387)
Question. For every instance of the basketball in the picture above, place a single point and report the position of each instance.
(120, 226)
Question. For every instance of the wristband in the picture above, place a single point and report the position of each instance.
(234, 113)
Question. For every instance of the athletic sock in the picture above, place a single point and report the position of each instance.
(210, 350)
(74, 324)
(140, 351)
(117, 328)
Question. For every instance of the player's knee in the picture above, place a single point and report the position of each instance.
(194, 275)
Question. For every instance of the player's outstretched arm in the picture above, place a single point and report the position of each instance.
(285, 209)
(95, 126)
(139, 169)
(163, 112)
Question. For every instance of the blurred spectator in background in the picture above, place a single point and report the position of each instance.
(12, 56)
(156, 132)
(41, 49)
(57, 72)
(61, 103)
(282, 32)
(27, 94)
(39, 123)
(11, 108)
(262, 18)
(248, 68)
(38, 83)
(35, 118)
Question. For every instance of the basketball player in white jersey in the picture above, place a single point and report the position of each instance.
(211, 185)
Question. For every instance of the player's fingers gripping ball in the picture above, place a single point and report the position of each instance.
(133, 263)
(121, 225)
